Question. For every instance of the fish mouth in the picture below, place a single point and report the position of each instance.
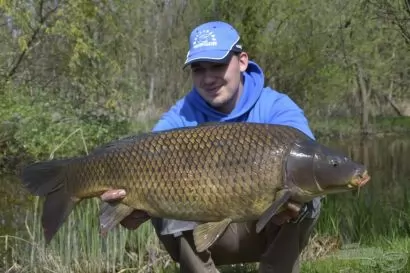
(359, 180)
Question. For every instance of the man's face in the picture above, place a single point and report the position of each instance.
(220, 84)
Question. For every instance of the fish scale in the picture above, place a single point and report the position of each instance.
(185, 176)
(213, 177)
(217, 161)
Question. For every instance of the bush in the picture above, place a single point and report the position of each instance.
(39, 127)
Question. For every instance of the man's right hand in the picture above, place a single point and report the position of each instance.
(113, 195)
(132, 221)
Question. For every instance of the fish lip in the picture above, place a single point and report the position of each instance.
(360, 180)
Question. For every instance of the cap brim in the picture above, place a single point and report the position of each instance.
(211, 56)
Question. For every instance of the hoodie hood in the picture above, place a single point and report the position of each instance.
(253, 85)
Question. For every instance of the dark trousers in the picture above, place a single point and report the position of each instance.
(276, 248)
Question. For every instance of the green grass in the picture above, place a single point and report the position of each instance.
(380, 256)
(78, 247)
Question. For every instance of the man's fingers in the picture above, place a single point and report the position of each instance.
(285, 216)
(112, 195)
(295, 207)
(293, 214)
(281, 218)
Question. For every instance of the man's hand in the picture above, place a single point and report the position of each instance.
(132, 221)
(290, 213)
(113, 195)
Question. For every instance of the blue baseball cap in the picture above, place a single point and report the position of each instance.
(212, 42)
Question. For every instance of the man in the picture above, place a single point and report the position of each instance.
(228, 87)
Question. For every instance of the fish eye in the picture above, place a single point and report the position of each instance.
(334, 163)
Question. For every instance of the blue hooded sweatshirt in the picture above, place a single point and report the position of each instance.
(257, 104)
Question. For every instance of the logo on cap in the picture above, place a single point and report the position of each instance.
(204, 38)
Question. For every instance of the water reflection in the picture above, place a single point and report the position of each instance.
(381, 208)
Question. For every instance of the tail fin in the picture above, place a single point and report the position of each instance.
(46, 179)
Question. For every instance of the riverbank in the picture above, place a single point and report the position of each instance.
(344, 127)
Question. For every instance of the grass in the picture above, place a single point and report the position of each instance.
(380, 256)
(78, 247)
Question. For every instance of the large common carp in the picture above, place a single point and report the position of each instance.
(214, 174)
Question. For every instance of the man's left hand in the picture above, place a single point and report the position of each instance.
(290, 213)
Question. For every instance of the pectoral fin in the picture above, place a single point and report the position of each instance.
(111, 214)
(282, 197)
(206, 234)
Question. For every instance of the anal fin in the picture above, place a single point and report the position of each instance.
(283, 197)
(206, 234)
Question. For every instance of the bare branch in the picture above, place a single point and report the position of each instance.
(395, 15)
(32, 39)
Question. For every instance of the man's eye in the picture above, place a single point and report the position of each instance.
(197, 70)
(219, 66)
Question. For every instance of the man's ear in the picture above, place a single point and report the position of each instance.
(243, 61)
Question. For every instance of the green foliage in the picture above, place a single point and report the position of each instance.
(40, 125)
(125, 54)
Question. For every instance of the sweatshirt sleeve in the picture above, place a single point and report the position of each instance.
(285, 111)
(169, 120)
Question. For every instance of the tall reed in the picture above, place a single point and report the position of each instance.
(78, 246)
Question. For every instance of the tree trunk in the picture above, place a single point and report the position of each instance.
(364, 92)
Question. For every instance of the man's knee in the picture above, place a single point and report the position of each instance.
(239, 244)
(305, 231)
(182, 250)
(171, 245)
(289, 240)
(169, 242)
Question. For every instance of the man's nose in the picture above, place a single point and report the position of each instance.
(209, 77)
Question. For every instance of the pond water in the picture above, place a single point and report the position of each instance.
(379, 209)
(382, 207)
